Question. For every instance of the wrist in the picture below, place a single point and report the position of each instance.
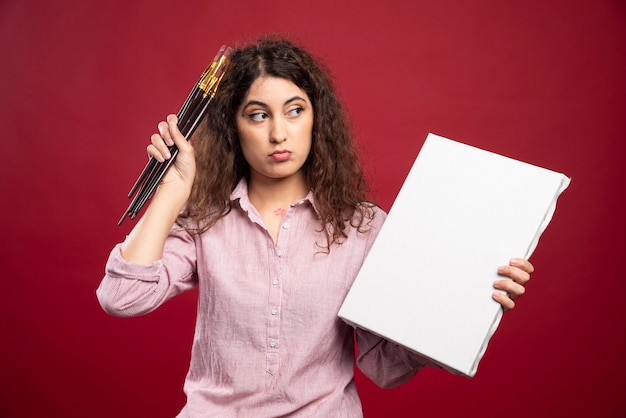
(173, 192)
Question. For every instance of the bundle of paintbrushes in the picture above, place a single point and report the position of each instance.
(189, 117)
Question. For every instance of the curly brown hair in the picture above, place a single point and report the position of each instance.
(332, 170)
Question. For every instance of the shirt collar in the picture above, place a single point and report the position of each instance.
(241, 193)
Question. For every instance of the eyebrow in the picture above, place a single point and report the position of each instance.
(262, 104)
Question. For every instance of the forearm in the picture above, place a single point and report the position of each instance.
(146, 241)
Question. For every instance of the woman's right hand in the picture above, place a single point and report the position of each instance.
(181, 174)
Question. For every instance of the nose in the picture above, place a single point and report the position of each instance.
(278, 131)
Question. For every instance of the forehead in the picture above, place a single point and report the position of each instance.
(274, 90)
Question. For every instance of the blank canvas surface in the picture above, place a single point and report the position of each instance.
(427, 281)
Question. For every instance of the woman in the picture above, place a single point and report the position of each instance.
(266, 212)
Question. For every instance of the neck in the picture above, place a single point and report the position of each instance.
(266, 193)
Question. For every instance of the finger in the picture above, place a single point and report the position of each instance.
(176, 136)
(506, 302)
(172, 128)
(515, 273)
(522, 264)
(164, 132)
(158, 149)
(513, 290)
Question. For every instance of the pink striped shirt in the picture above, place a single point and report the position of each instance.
(268, 341)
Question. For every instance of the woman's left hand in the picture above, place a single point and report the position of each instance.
(518, 271)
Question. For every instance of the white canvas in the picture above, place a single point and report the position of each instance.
(427, 281)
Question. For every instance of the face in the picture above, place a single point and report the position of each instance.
(275, 124)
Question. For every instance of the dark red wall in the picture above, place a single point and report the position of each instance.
(83, 84)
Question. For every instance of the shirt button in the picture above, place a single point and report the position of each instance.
(275, 282)
(272, 343)
(274, 311)
(279, 253)
(286, 225)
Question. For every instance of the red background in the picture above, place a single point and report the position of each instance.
(83, 84)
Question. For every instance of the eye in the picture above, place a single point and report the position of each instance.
(295, 111)
(257, 116)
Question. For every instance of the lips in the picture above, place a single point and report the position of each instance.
(280, 155)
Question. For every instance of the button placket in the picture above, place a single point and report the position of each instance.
(277, 257)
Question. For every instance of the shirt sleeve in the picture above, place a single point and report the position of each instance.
(385, 363)
(133, 289)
